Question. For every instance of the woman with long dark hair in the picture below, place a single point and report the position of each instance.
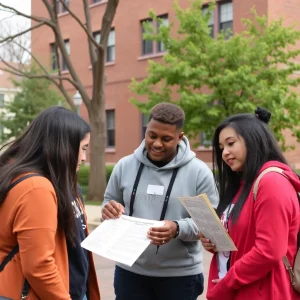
(41, 213)
(263, 221)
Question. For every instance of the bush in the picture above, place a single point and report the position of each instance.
(83, 174)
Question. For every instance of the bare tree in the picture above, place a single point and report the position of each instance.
(96, 103)
(15, 50)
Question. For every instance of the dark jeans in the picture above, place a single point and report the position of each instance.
(131, 286)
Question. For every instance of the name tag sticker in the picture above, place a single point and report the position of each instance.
(155, 190)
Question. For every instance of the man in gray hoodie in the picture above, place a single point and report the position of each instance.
(147, 184)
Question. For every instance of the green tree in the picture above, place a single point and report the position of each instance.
(35, 95)
(214, 78)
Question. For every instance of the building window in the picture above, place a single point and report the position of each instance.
(54, 64)
(110, 128)
(210, 20)
(53, 57)
(110, 51)
(67, 3)
(204, 140)
(162, 21)
(97, 36)
(147, 46)
(226, 17)
(64, 64)
(145, 120)
(111, 44)
(60, 8)
(1, 100)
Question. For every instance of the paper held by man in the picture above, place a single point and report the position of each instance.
(122, 240)
(207, 221)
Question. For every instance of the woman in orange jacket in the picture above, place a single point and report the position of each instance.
(41, 213)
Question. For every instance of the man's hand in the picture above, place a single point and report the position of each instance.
(162, 235)
(112, 210)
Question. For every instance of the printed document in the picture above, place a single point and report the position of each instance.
(122, 240)
(208, 222)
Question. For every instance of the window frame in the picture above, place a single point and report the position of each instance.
(2, 100)
(144, 123)
(64, 66)
(221, 23)
(146, 42)
(54, 65)
(204, 142)
(63, 9)
(211, 22)
(160, 45)
(111, 56)
(108, 59)
(109, 130)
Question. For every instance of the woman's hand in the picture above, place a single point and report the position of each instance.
(207, 245)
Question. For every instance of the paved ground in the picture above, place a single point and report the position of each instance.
(105, 267)
(105, 274)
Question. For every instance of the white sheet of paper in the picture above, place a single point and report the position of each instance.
(155, 189)
(122, 240)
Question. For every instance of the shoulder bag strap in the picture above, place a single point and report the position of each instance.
(271, 169)
(255, 190)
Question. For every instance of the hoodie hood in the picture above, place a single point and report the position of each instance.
(288, 172)
(184, 155)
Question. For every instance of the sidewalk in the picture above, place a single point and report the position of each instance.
(93, 213)
(105, 267)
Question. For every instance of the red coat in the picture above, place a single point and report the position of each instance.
(265, 231)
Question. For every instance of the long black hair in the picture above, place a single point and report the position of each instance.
(50, 147)
(261, 147)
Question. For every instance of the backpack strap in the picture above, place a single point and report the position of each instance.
(255, 190)
(11, 254)
(15, 250)
(289, 269)
(267, 170)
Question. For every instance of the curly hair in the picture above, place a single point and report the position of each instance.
(168, 113)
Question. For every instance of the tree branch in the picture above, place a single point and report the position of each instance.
(15, 71)
(88, 32)
(87, 13)
(35, 18)
(60, 43)
(99, 78)
(11, 37)
(107, 20)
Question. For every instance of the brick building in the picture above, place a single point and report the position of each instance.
(127, 55)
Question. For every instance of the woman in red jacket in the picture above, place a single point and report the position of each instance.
(264, 229)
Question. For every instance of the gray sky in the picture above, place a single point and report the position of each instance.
(22, 5)
(11, 24)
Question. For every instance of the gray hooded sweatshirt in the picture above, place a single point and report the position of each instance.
(181, 256)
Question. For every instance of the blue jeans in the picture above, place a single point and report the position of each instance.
(131, 286)
(84, 298)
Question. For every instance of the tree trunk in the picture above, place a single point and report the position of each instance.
(97, 176)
